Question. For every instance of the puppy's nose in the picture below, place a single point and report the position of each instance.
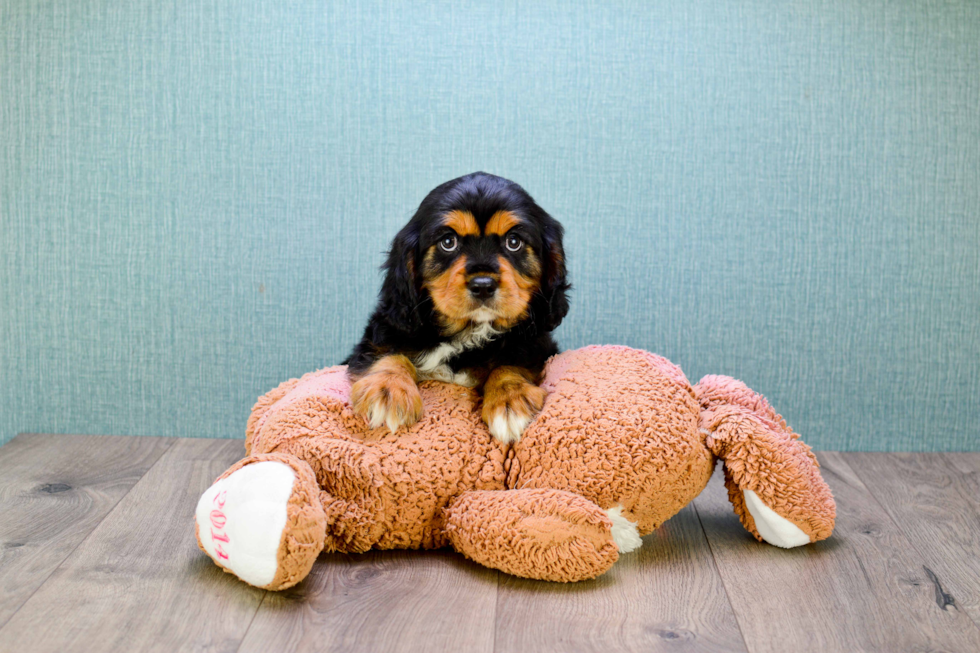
(482, 287)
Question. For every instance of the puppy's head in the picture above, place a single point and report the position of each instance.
(482, 252)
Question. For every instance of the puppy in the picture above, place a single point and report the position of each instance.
(474, 285)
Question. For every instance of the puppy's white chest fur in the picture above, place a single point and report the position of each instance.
(431, 364)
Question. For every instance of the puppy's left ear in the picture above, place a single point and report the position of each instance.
(553, 300)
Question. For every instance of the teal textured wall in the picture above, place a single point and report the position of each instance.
(195, 196)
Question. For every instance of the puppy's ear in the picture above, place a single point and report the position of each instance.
(400, 292)
(552, 299)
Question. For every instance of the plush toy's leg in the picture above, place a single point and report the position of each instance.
(263, 520)
(543, 534)
(773, 478)
(349, 477)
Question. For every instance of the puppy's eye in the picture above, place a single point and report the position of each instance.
(449, 243)
(513, 243)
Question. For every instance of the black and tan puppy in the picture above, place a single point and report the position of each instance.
(474, 285)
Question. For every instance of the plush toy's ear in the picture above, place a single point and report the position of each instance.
(552, 304)
(400, 292)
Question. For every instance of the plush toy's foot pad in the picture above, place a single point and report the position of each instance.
(774, 529)
(262, 521)
(624, 532)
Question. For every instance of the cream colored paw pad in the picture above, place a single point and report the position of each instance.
(624, 532)
(241, 518)
(774, 529)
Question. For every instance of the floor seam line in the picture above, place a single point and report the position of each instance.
(894, 521)
(496, 603)
(252, 621)
(89, 534)
(721, 577)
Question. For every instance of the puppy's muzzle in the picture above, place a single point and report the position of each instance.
(482, 287)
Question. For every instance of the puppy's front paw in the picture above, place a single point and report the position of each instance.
(389, 399)
(509, 407)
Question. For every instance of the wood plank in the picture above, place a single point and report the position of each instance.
(864, 589)
(139, 582)
(428, 601)
(935, 500)
(666, 596)
(54, 490)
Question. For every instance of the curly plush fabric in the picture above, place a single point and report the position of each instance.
(543, 534)
(763, 455)
(620, 427)
(622, 436)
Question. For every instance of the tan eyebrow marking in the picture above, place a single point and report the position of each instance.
(462, 222)
(501, 223)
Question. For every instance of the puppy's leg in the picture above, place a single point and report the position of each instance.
(510, 402)
(388, 394)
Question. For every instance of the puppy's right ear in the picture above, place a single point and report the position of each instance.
(400, 291)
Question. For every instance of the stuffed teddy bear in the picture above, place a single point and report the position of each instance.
(622, 443)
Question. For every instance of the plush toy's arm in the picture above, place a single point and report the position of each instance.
(543, 534)
(773, 478)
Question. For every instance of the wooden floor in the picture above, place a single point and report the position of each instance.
(97, 553)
